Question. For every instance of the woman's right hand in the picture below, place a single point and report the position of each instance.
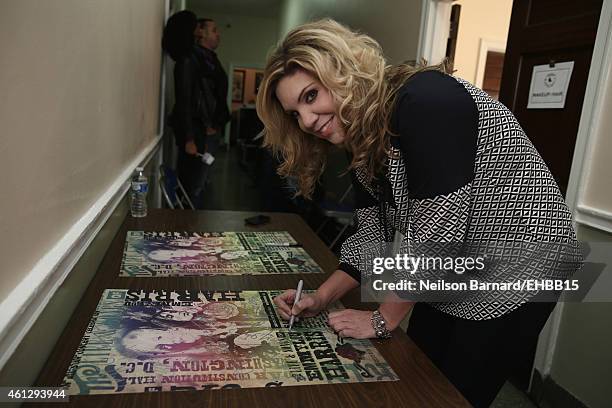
(310, 304)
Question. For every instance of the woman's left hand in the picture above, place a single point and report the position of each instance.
(352, 323)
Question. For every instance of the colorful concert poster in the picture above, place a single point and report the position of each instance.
(150, 341)
(162, 254)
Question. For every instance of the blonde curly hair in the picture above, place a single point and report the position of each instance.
(352, 67)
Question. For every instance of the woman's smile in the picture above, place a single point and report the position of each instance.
(304, 98)
(325, 130)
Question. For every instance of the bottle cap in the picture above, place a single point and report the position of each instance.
(139, 168)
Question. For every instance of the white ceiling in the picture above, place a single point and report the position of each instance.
(259, 8)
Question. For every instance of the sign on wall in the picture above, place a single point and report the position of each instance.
(549, 84)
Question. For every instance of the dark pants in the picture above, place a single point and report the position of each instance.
(193, 173)
(478, 356)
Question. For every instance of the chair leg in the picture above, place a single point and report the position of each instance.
(320, 228)
(166, 197)
(185, 195)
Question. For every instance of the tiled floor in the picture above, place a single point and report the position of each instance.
(232, 188)
(253, 185)
(510, 397)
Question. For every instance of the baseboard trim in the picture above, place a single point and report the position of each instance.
(546, 393)
(25, 303)
(594, 217)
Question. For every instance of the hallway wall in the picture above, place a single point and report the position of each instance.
(395, 24)
(80, 95)
(597, 191)
(245, 40)
(480, 20)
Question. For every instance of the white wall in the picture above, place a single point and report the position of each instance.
(479, 20)
(579, 357)
(79, 88)
(582, 359)
(244, 39)
(598, 188)
(394, 24)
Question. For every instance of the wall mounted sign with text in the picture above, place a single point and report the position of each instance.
(549, 84)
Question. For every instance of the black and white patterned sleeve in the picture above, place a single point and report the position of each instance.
(437, 122)
(369, 231)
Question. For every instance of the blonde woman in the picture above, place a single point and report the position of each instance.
(436, 159)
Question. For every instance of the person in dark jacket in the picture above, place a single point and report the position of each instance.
(194, 104)
(208, 39)
(435, 161)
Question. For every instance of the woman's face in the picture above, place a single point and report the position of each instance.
(231, 255)
(184, 242)
(169, 342)
(221, 310)
(303, 97)
(255, 339)
(160, 255)
(176, 315)
(159, 341)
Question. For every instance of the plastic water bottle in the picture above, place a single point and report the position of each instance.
(140, 185)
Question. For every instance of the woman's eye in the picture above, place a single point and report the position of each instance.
(311, 95)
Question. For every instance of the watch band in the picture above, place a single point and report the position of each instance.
(379, 325)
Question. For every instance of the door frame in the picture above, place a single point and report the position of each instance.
(435, 28)
(486, 45)
(230, 81)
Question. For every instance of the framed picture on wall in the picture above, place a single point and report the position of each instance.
(258, 78)
(238, 85)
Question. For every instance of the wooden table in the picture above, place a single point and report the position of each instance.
(421, 383)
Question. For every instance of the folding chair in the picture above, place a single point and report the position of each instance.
(248, 132)
(337, 204)
(172, 189)
(340, 211)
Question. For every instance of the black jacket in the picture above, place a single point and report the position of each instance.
(195, 102)
(218, 79)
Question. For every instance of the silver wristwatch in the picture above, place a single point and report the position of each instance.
(379, 325)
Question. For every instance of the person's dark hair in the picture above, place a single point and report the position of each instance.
(178, 39)
(202, 22)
